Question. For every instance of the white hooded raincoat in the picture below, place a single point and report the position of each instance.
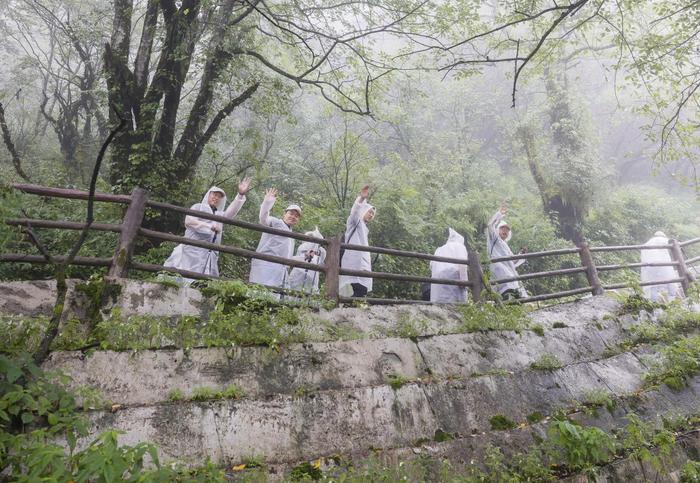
(303, 279)
(270, 273)
(196, 259)
(357, 233)
(664, 292)
(454, 248)
(497, 247)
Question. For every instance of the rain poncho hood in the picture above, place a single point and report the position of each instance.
(503, 223)
(202, 260)
(454, 248)
(497, 248)
(663, 292)
(303, 279)
(356, 233)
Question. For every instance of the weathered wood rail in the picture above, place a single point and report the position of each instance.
(130, 229)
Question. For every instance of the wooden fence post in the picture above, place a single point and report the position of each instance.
(332, 268)
(683, 272)
(130, 229)
(591, 271)
(476, 274)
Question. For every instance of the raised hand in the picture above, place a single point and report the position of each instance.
(271, 194)
(504, 208)
(364, 192)
(244, 186)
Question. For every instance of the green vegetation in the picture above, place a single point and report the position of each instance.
(488, 316)
(406, 327)
(546, 362)
(537, 329)
(231, 391)
(535, 417)
(397, 381)
(599, 398)
(501, 423)
(559, 325)
(36, 410)
(577, 447)
(681, 360)
(442, 436)
(175, 395)
(305, 471)
(494, 372)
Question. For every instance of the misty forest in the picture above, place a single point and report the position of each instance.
(580, 115)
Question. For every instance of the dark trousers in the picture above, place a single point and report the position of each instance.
(358, 290)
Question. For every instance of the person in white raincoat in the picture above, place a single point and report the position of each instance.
(202, 260)
(663, 292)
(303, 279)
(454, 248)
(357, 233)
(270, 273)
(498, 233)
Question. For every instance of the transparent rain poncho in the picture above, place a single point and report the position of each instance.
(202, 260)
(454, 248)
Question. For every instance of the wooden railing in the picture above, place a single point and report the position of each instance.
(131, 228)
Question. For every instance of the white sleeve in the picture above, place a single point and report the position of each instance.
(493, 223)
(235, 206)
(517, 263)
(198, 224)
(356, 207)
(265, 208)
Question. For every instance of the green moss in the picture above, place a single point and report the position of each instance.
(397, 381)
(441, 436)
(501, 423)
(535, 417)
(538, 329)
(559, 325)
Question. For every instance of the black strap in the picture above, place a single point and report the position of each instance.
(352, 232)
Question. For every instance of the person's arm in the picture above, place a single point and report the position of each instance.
(199, 225)
(266, 206)
(359, 203)
(239, 200)
(495, 220)
(522, 260)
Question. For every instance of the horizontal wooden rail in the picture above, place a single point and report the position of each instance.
(404, 278)
(525, 256)
(65, 225)
(528, 276)
(87, 261)
(69, 193)
(692, 241)
(233, 221)
(643, 284)
(241, 252)
(622, 266)
(555, 295)
(693, 260)
(630, 247)
(401, 253)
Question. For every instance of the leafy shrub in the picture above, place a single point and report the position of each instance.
(578, 447)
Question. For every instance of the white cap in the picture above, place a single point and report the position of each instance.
(294, 207)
